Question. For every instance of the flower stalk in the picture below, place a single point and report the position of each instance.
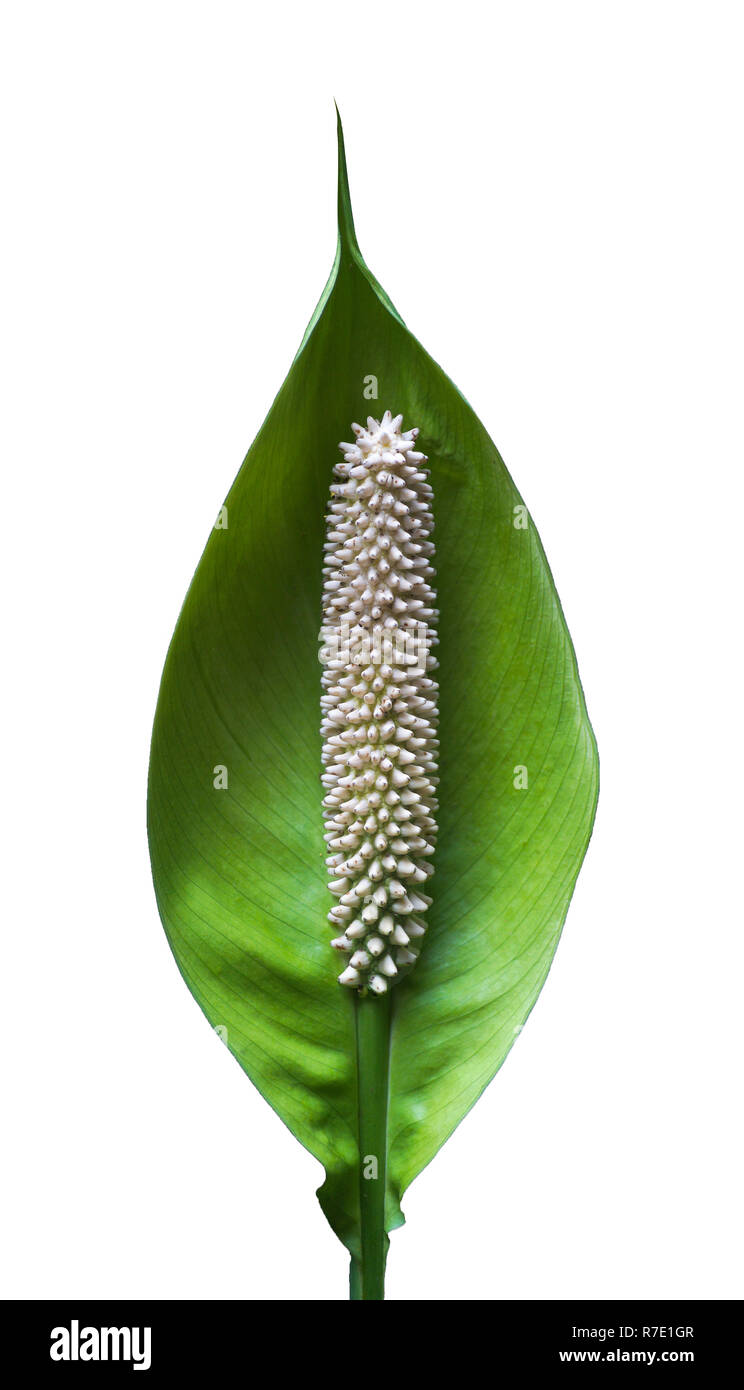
(372, 1022)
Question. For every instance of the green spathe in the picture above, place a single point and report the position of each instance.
(239, 871)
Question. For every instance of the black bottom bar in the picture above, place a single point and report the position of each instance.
(200, 1339)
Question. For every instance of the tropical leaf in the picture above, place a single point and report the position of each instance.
(234, 810)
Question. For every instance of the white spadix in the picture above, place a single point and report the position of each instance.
(379, 702)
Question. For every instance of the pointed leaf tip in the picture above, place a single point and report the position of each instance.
(346, 231)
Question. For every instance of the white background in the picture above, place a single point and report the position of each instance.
(571, 252)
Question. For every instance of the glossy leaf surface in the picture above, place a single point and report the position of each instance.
(239, 870)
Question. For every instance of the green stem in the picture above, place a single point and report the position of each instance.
(367, 1277)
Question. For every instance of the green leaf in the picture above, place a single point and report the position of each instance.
(239, 870)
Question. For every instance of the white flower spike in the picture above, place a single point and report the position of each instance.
(379, 703)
